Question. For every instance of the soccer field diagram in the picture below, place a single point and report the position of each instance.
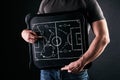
(61, 40)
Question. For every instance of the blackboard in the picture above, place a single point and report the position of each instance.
(65, 38)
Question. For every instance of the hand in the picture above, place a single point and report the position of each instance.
(29, 36)
(74, 67)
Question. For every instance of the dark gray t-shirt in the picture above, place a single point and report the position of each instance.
(91, 7)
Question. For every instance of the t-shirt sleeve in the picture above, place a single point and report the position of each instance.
(41, 7)
(94, 11)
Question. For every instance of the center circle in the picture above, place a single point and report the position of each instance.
(56, 41)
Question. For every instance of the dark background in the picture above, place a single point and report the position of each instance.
(15, 56)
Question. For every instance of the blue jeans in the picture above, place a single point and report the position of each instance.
(55, 74)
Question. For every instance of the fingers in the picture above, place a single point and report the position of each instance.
(73, 67)
(30, 36)
(33, 38)
(67, 68)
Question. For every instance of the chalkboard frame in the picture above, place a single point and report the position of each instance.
(52, 17)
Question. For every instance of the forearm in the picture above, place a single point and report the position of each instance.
(95, 49)
(99, 43)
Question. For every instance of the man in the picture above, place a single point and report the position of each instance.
(75, 70)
